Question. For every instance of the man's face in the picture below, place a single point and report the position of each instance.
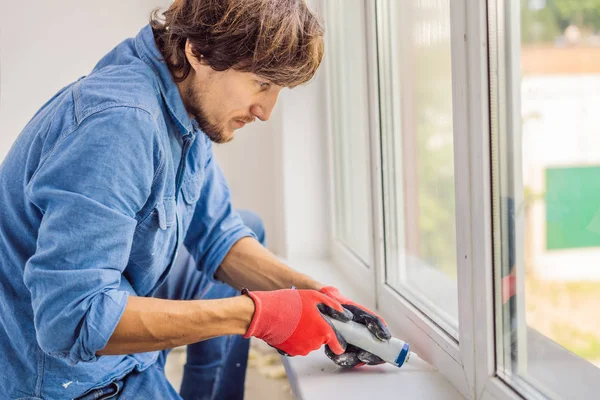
(222, 102)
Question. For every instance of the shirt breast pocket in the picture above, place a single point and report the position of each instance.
(190, 190)
(154, 243)
(153, 240)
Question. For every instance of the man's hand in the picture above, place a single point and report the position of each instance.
(292, 320)
(354, 356)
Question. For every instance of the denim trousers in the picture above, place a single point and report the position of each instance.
(215, 368)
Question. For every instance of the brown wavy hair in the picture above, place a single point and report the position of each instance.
(280, 40)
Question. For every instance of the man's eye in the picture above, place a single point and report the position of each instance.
(264, 85)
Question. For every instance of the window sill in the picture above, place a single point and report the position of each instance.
(316, 377)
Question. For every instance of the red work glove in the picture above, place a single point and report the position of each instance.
(354, 356)
(292, 320)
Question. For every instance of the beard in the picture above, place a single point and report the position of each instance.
(213, 131)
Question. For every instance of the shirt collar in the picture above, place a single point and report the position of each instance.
(149, 53)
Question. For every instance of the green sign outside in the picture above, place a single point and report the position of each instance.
(572, 207)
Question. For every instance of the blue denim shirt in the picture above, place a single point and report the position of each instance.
(96, 194)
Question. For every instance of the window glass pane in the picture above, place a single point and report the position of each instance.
(546, 147)
(418, 156)
(346, 55)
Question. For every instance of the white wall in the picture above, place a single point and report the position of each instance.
(306, 171)
(279, 170)
(249, 165)
(44, 45)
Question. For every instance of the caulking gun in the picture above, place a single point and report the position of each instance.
(393, 351)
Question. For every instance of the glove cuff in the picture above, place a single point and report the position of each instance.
(276, 315)
(253, 327)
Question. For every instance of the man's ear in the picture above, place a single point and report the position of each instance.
(194, 61)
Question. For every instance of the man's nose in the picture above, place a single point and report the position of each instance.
(263, 109)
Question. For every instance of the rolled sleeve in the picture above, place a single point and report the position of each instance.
(88, 190)
(215, 225)
(214, 258)
(93, 336)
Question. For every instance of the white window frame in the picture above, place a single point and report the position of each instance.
(454, 359)
(504, 26)
(361, 275)
(470, 364)
(470, 63)
(456, 362)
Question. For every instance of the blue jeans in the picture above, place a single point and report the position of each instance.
(215, 368)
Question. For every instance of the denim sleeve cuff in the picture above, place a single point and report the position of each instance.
(107, 308)
(221, 247)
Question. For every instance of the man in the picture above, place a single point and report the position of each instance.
(117, 236)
